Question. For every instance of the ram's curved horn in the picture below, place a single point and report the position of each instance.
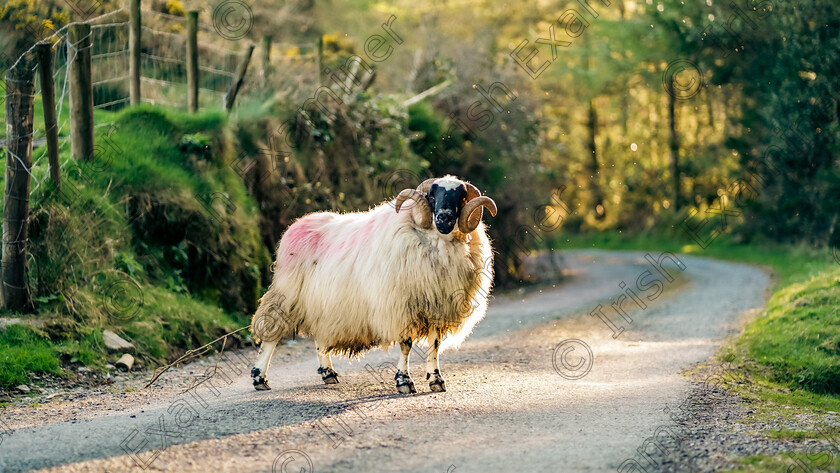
(472, 216)
(421, 205)
(472, 212)
(426, 185)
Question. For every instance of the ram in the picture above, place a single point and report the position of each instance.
(417, 268)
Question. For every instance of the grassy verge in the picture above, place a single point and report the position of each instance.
(156, 238)
(790, 352)
(787, 463)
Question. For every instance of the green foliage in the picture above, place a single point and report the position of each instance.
(196, 143)
(25, 22)
(427, 127)
(342, 158)
(779, 66)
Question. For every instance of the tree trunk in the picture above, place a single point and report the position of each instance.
(625, 112)
(711, 109)
(594, 168)
(592, 126)
(673, 144)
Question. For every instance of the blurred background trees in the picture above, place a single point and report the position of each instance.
(654, 111)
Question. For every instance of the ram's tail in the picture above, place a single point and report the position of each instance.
(272, 321)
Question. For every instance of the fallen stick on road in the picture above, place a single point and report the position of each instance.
(190, 354)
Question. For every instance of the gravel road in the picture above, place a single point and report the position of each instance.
(514, 401)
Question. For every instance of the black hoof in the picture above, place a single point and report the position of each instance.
(437, 384)
(260, 381)
(328, 375)
(405, 385)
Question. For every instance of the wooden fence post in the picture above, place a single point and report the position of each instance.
(230, 95)
(81, 92)
(20, 114)
(134, 51)
(192, 61)
(44, 51)
(266, 61)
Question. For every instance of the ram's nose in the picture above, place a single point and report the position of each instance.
(445, 221)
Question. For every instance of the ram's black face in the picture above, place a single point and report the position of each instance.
(446, 202)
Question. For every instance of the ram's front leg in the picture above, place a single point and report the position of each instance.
(405, 384)
(436, 381)
(259, 372)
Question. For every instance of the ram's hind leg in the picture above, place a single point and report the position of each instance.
(260, 370)
(405, 384)
(328, 374)
(436, 381)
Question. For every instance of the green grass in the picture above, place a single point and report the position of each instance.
(797, 341)
(819, 461)
(786, 434)
(23, 351)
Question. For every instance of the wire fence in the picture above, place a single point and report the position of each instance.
(291, 71)
(109, 65)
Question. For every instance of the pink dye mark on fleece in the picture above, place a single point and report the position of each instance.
(302, 238)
